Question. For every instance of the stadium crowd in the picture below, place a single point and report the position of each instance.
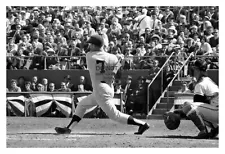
(51, 37)
(55, 37)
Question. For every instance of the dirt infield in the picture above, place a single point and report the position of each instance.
(97, 133)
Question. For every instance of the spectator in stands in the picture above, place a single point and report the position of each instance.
(147, 35)
(14, 87)
(205, 48)
(51, 87)
(18, 61)
(36, 39)
(12, 47)
(193, 31)
(84, 44)
(45, 84)
(156, 39)
(52, 59)
(104, 36)
(28, 87)
(89, 29)
(214, 41)
(40, 87)
(117, 87)
(128, 57)
(17, 34)
(128, 88)
(42, 25)
(143, 21)
(67, 80)
(64, 88)
(208, 32)
(83, 85)
(34, 83)
(114, 30)
(189, 47)
(21, 83)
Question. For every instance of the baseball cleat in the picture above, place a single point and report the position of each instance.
(214, 132)
(203, 135)
(61, 130)
(142, 129)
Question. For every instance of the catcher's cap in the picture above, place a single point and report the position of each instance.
(96, 40)
(200, 64)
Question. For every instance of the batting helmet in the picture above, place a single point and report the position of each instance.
(171, 120)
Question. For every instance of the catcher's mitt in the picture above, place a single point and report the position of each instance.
(171, 120)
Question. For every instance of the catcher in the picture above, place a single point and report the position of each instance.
(203, 111)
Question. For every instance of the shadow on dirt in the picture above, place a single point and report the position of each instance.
(86, 133)
(177, 137)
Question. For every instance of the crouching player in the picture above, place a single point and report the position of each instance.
(203, 111)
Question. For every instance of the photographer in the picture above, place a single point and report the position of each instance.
(139, 97)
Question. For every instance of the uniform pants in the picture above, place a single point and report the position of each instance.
(103, 96)
(208, 112)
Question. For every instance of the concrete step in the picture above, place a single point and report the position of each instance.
(174, 88)
(155, 117)
(170, 93)
(177, 83)
(164, 106)
(160, 111)
(167, 100)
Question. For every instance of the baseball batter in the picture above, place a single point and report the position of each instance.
(204, 109)
(102, 67)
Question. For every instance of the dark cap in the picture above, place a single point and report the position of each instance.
(96, 40)
(200, 64)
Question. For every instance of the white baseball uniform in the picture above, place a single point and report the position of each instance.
(209, 112)
(102, 67)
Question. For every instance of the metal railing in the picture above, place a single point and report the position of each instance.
(71, 58)
(155, 78)
(170, 83)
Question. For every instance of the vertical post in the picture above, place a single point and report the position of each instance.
(121, 102)
(73, 105)
(147, 106)
(45, 63)
(25, 108)
(161, 81)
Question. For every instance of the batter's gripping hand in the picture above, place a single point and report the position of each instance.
(171, 120)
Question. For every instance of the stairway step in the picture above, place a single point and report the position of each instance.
(160, 111)
(184, 79)
(170, 93)
(155, 117)
(177, 83)
(164, 106)
(174, 88)
(167, 100)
